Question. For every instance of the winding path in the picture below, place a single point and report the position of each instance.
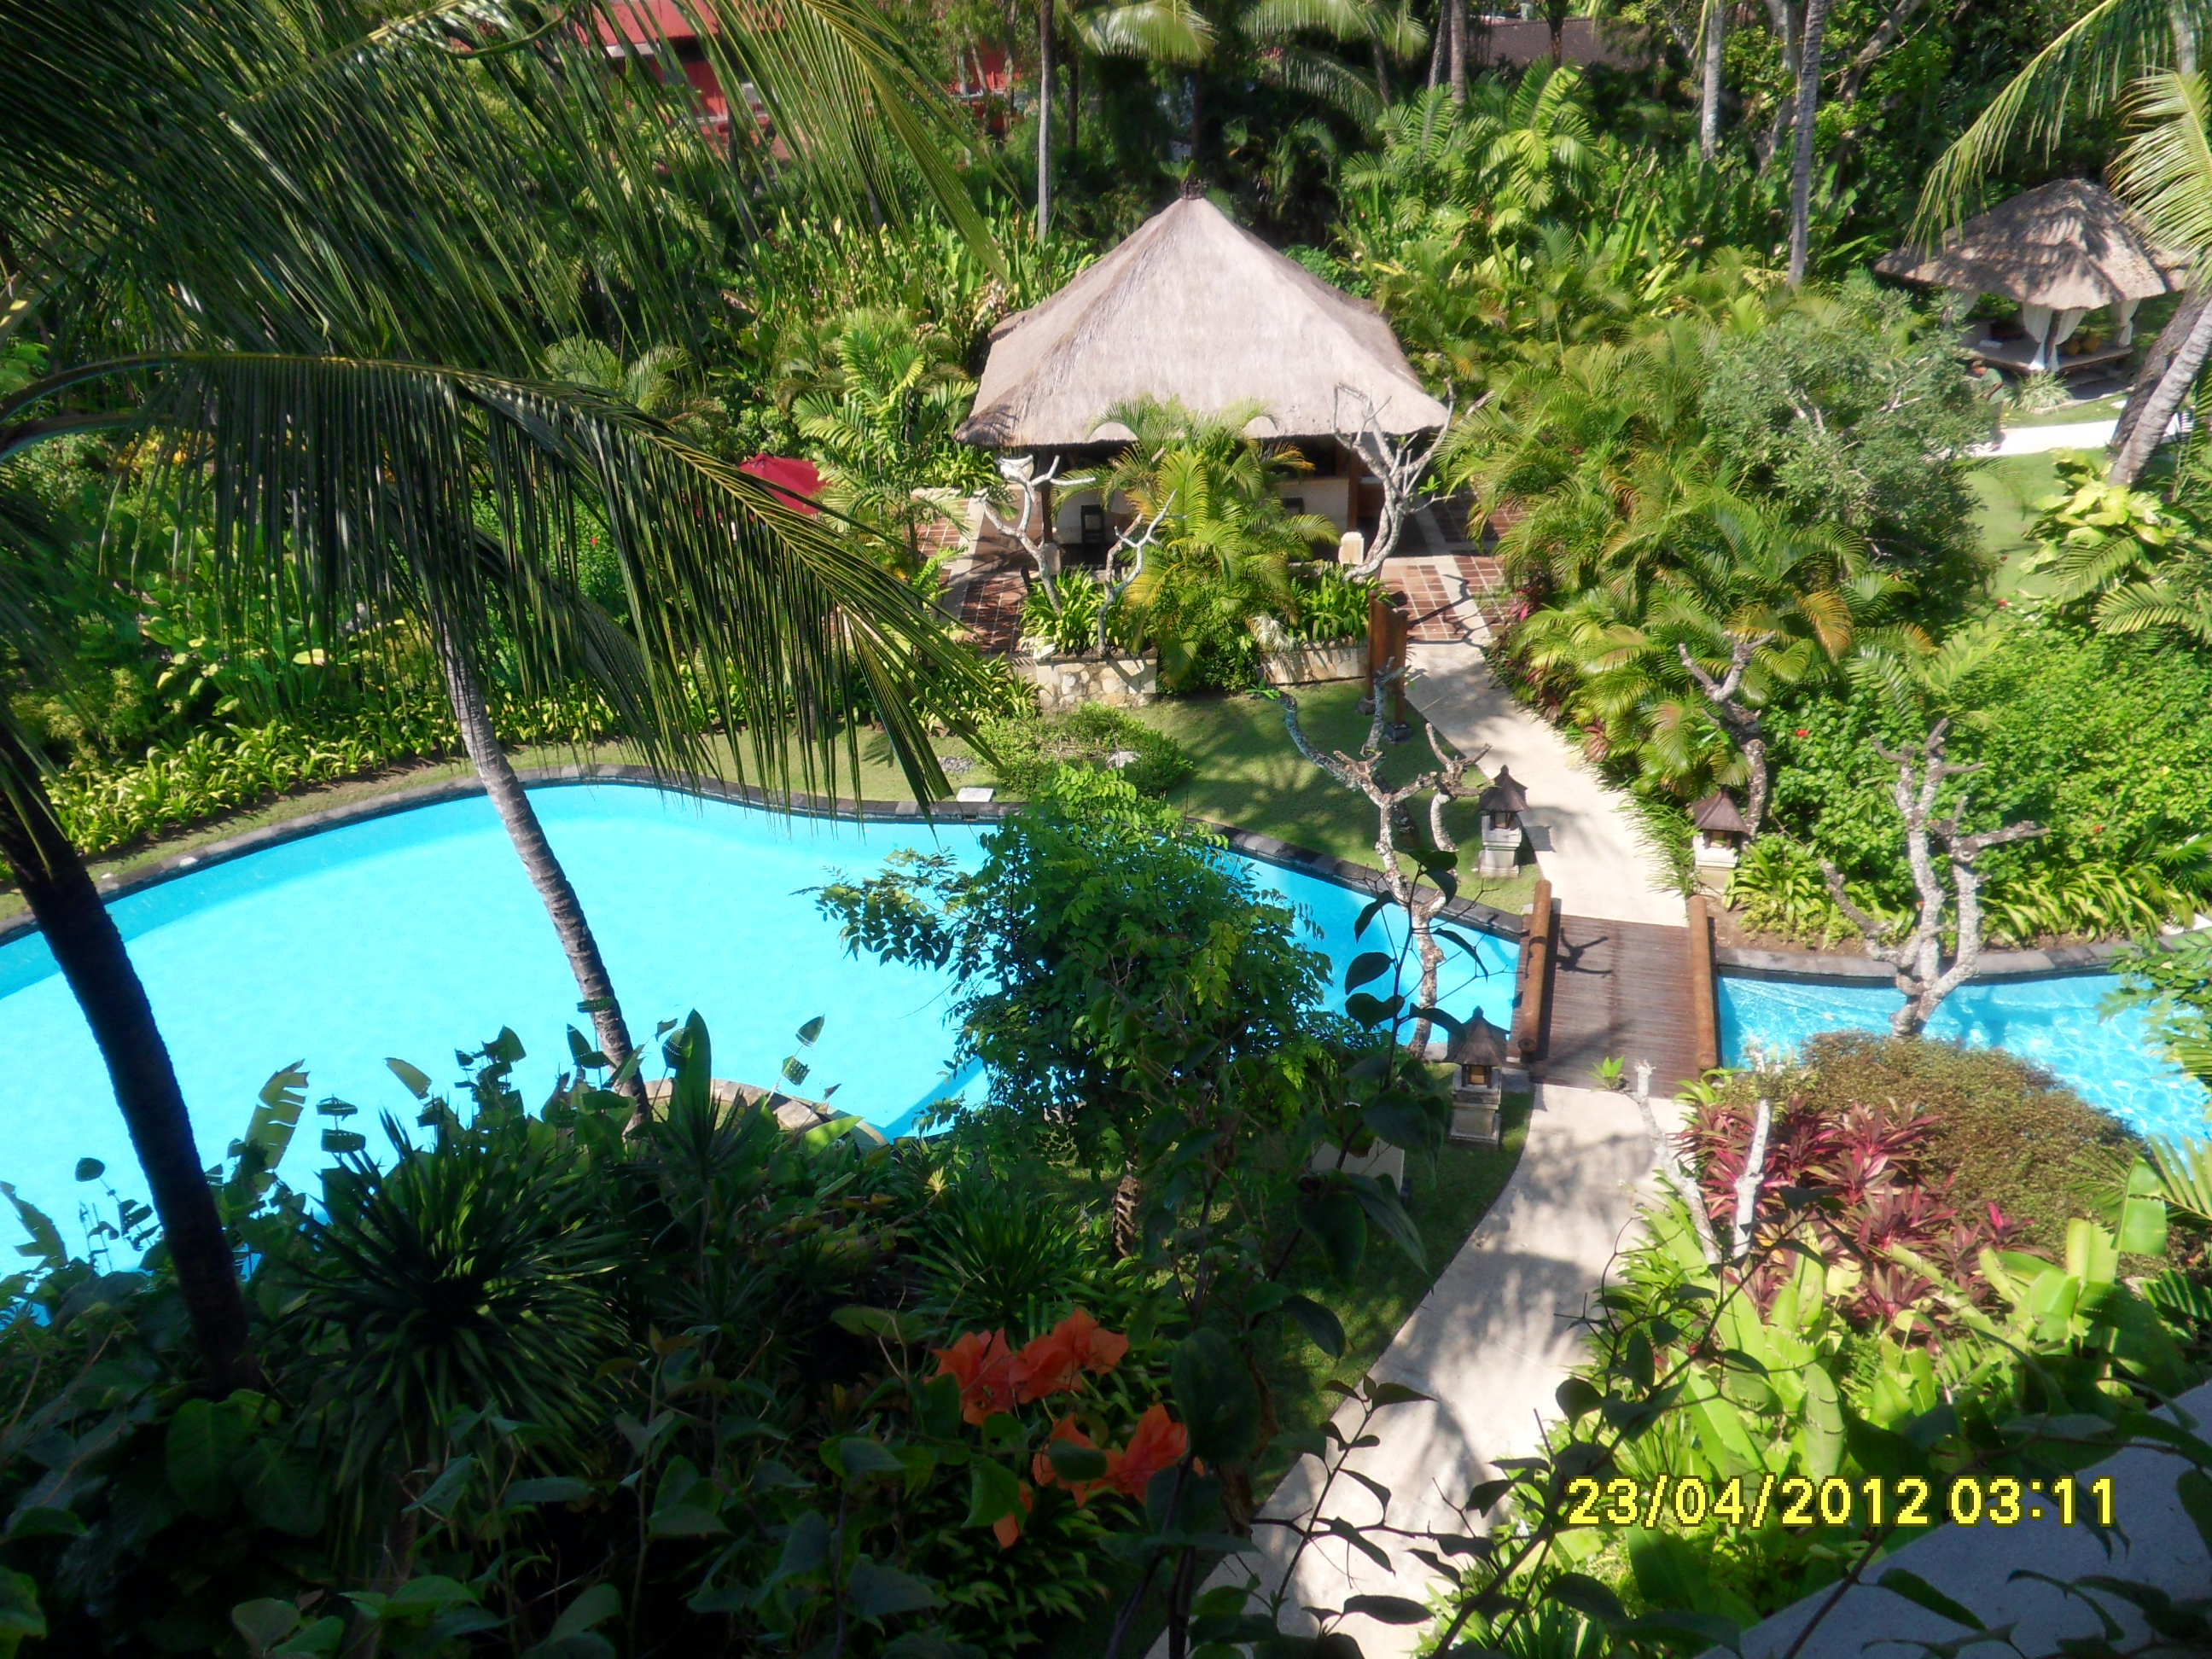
(1586, 839)
(1494, 1338)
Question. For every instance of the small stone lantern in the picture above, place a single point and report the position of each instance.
(1501, 806)
(1478, 1050)
(1720, 832)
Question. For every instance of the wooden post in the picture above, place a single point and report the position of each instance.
(1535, 976)
(1705, 1013)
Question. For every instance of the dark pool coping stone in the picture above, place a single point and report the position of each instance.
(1266, 849)
(1817, 966)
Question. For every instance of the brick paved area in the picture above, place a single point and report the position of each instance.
(1446, 595)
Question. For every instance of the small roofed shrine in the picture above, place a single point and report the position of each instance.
(2061, 250)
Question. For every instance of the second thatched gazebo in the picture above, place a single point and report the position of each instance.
(2061, 250)
(1193, 308)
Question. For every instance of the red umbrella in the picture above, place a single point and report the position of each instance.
(795, 483)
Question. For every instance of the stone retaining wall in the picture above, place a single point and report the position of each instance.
(1070, 682)
(1312, 665)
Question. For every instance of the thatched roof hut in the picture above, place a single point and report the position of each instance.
(2068, 246)
(1192, 306)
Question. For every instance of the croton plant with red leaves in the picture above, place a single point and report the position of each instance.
(1854, 1183)
(995, 1379)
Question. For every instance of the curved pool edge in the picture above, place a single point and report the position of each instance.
(1267, 849)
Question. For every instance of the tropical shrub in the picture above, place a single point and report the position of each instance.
(1873, 1122)
(1331, 606)
(2123, 793)
(1224, 545)
(1852, 408)
(2172, 981)
(1027, 752)
(1067, 615)
(1862, 1183)
(533, 1374)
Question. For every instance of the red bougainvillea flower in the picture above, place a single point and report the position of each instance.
(1100, 1350)
(1041, 1468)
(984, 1367)
(1046, 1367)
(1056, 1361)
(1158, 1442)
(1804, 730)
(1008, 1527)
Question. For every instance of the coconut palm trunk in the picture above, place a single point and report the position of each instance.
(1708, 93)
(465, 689)
(1044, 117)
(1801, 163)
(2164, 402)
(88, 949)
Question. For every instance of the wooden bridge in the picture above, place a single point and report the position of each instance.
(1596, 989)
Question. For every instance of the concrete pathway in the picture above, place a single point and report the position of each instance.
(1491, 1344)
(1585, 840)
(2035, 440)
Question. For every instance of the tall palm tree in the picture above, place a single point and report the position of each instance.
(298, 282)
(2139, 58)
(1812, 39)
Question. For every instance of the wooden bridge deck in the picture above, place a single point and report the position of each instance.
(1621, 989)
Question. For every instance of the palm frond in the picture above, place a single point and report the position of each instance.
(2165, 169)
(392, 486)
(2090, 65)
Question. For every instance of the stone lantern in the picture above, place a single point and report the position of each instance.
(1501, 806)
(1477, 1052)
(1721, 832)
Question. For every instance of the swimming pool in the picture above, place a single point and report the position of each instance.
(416, 934)
(2111, 1063)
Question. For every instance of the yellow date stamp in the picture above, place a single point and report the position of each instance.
(1691, 1503)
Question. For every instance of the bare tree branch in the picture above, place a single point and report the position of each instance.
(1398, 462)
(1443, 786)
(1915, 961)
(1028, 485)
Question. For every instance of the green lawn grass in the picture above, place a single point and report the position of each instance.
(2007, 487)
(1251, 776)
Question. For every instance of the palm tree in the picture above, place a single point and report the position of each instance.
(1713, 605)
(1812, 37)
(2137, 56)
(1225, 542)
(297, 288)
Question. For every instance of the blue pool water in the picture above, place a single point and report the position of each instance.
(2111, 1062)
(416, 934)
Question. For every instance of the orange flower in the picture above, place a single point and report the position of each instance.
(1055, 1361)
(1159, 1443)
(1098, 1349)
(1008, 1527)
(1046, 1367)
(984, 1368)
(1041, 1468)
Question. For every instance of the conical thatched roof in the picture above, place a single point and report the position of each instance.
(1192, 306)
(2069, 244)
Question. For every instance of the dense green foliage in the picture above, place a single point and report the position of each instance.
(1871, 1327)
(2124, 796)
(1027, 753)
(535, 1377)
